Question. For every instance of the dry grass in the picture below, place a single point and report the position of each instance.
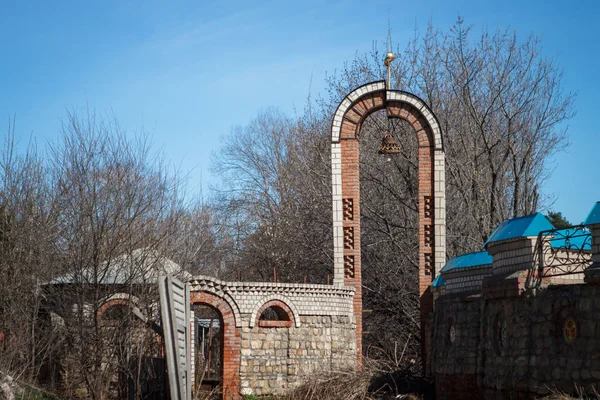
(343, 385)
(373, 382)
(581, 395)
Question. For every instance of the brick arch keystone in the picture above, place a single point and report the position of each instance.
(345, 134)
(231, 342)
(286, 304)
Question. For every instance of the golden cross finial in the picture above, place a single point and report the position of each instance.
(389, 57)
(387, 62)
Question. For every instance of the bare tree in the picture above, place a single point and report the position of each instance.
(26, 246)
(117, 203)
(85, 228)
(275, 197)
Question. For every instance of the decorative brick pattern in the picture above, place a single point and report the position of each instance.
(286, 323)
(345, 133)
(428, 236)
(279, 300)
(269, 357)
(349, 237)
(428, 263)
(427, 207)
(349, 266)
(348, 209)
(303, 299)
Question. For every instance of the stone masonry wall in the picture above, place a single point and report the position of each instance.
(276, 359)
(456, 340)
(519, 346)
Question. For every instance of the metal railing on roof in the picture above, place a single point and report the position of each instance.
(564, 251)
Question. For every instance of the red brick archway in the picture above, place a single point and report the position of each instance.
(231, 343)
(288, 322)
(102, 320)
(112, 302)
(345, 131)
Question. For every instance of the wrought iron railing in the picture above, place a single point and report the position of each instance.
(564, 251)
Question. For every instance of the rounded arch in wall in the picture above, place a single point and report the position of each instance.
(278, 301)
(345, 132)
(231, 345)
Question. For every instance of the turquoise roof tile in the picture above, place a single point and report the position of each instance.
(529, 225)
(468, 260)
(438, 281)
(594, 215)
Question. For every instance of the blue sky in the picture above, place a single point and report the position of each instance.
(187, 71)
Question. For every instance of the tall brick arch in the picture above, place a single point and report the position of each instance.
(231, 347)
(345, 133)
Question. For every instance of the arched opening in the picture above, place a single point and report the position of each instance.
(208, 344)
(118, 313)
(230, 351)
(389, 218)
(346, 129)
(275, 314)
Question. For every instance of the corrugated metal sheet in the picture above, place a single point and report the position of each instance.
(141, 266)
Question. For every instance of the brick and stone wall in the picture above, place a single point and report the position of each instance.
(276, 359)
(516, 346)
(269, 357)
(520, 336)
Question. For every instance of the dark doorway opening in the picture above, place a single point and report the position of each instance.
(208, 358)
